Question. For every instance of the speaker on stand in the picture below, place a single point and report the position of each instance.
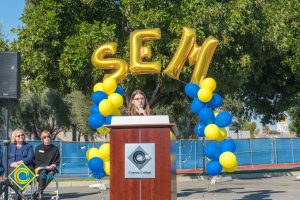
(9, 91)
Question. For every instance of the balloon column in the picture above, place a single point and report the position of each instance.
(99, 160)
(107, 98)
(211, 125)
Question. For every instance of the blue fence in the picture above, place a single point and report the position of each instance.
(189, 153)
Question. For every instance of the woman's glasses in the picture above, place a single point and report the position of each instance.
(136, 99)
(47, 136)
(20, 135)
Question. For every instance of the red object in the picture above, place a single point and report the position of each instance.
(163, 186)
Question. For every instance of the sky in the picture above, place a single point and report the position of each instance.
(10, 14)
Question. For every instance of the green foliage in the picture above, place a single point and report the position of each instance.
(294, 113)
(45, 111)
(256, 63)
(78, 105)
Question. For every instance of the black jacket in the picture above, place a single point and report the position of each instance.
(46, 155)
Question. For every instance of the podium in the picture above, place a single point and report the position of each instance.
(142, 158)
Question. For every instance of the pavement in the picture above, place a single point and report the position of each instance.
(252, 186)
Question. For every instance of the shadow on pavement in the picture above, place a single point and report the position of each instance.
(261, 194)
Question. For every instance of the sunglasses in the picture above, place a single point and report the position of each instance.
(48, 136)
(20, 135)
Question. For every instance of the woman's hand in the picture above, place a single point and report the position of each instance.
(141, 111)
(15, 164)
(53, 166)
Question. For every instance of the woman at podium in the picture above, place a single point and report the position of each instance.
(138, 104)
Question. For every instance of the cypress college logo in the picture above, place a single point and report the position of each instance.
(139, 157)
(140, 160)
(21, 176)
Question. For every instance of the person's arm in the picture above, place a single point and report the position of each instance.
(56, 159)
(37, 158)
(29, 157)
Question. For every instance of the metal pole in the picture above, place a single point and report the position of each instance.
(6, 142)
(180, 154)
(251, 152)
(203, 156)
(292, 150)
(61, 156)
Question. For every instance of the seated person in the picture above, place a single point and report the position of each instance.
(19, 151)
(1, 165)
(47, 158)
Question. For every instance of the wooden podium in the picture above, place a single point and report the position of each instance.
(140, 149)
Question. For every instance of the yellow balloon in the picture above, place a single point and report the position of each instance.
(91, 153)
(138, 52)
(116, 99)
(172, 136)
(98, 87)
(109, 85)
(209, 83)
(99, 61)
(187, 41)
(228, 159)
(107, 167)
(232, 169)
(205, 95)
(103, 130)
(104, 152)
(116, 112)
(106, 107)
(223, 134)
(212, 131)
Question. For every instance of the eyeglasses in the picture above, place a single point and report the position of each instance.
(47, 136)
(136, 99)
(20, 135)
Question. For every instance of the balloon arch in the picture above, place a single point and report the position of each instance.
(108, 96)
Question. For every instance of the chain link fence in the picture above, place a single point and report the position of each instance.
(189, 153)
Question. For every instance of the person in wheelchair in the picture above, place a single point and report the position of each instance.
(47, 158)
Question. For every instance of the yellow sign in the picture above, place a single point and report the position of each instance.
(21, 176)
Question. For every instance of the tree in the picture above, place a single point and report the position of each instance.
(250, 126)
(294, 113)
(78, 105)
(256, 61)
(266, 129)
(45, 111)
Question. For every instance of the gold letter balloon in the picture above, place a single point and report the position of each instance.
(100, 62)
(138, 52)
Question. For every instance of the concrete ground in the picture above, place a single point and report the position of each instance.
(251, 187)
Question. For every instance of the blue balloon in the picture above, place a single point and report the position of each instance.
(207, 116)
(96, 120)
(94, 110)
(212, 151)
(119, 90)
(216, 101)
(199, 129)
(98, 96)
(213, 168)
(96, 164)
(223, 119)
(196, 106)
(191, 89)
(108, 119)
(99, 174)
(228, 145)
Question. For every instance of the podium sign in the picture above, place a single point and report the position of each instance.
(140, 160)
